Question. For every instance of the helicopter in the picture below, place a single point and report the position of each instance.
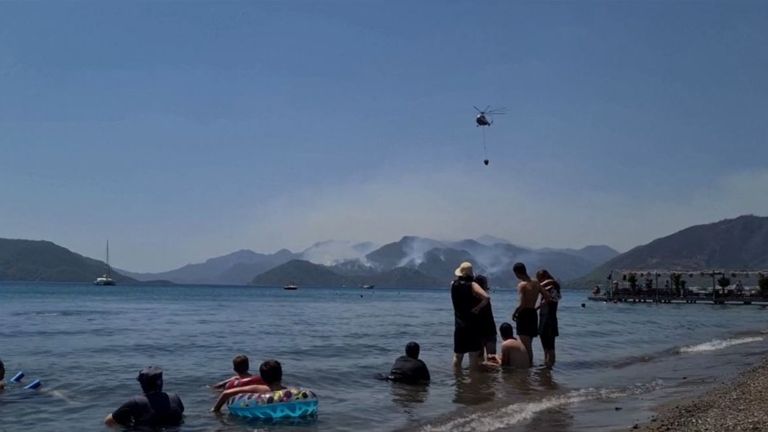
(485, 118)
(482, 115)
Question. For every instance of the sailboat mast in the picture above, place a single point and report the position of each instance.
(109, 270)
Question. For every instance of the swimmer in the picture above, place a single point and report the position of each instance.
(242, 377)
(408, 368)
(2, 375)
(513, 353)
(271, 372)
(154, 408)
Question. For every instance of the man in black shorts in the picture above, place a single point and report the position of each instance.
(154, 408)
(525, 315)
(408, 368)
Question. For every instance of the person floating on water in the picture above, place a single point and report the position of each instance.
(525, 314)
(513, 352)
(271, 373)
(154, 408)
(548, 316)
(408, 368)
(468, 299)
(242, 376)
(487, 324)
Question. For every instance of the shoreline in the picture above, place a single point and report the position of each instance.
(738, 404)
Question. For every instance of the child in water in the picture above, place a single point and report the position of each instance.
(242, 378)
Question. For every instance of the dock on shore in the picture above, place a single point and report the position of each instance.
(729, 300)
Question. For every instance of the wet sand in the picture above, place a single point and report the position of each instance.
(738, 405)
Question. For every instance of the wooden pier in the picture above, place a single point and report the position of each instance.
(730, 300)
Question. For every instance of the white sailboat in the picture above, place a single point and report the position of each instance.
(106, 279)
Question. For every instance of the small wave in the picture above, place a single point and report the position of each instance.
(718, 344)
(509, 415)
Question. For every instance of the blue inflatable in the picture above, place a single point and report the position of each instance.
(17, 378)
(281, 404)
(34, 385)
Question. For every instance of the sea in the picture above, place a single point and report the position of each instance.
(616, 363)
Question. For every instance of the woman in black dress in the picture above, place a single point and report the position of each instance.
(468, 299)
(548, 316)
(487, 324)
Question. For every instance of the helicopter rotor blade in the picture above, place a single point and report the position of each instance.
(477, 109)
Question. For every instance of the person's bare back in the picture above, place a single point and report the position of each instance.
(529, 293)
(514, 354)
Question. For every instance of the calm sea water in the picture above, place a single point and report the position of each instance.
(615, 362)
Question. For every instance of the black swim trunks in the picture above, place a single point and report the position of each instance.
(527, 322)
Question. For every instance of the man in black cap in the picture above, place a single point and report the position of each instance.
(408, 368)
(153, 408)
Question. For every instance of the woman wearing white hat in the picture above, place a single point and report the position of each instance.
(468, 299)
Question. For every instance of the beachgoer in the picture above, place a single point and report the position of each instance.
(271, 372)
(468, 299)
(487, 324)
(408, 368)
(2, 375)
(525, 314)
(513, 352)
(548, 316)
(154, 408)
(242, 378)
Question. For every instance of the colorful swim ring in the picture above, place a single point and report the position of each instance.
(281, 404)
(243, 382)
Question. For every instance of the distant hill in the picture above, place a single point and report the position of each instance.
(32, 260)
(236, 268)
(302, 273)
(732, 244)
(305, 273)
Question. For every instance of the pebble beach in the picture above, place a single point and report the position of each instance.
(739, 405)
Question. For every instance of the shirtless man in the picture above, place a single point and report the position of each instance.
(525, 315)
(513, 352)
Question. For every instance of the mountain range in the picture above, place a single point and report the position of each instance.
(409, 262)
(732, 244)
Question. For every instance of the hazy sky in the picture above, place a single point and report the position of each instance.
(183, 130)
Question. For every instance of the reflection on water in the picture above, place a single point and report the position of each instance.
(409, 395)
(474, 387)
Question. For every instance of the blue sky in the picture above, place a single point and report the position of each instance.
(183, 130)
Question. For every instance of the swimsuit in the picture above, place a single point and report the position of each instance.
(527, 322)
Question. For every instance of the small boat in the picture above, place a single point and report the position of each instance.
(291, 286)
(367, 286)
(106, 279)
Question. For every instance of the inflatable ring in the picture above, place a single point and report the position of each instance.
(280, 404)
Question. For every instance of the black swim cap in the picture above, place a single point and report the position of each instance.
(151, 379)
